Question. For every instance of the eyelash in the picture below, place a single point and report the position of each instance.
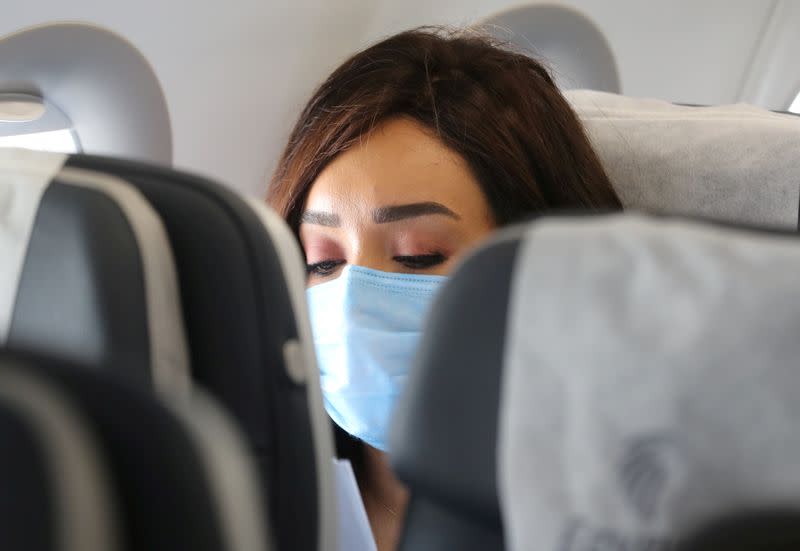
(414, 262)
(421, 261)
(323, 268)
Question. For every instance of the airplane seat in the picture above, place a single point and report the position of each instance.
(563, 470)
(242, 286)
(55, 494)
(116, 264)
(734, 163)
(621, 304)
(649, 383)
(86, 273)
(121, 468)
(729, 163)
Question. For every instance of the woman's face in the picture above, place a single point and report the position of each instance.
(400, 201)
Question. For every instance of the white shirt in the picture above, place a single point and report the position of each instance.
(355, 533)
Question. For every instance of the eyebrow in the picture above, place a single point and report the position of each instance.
(393, 213)
(382, 215)
(320, 218)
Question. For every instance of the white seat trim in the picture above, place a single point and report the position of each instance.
(24, 177)
(301, 364)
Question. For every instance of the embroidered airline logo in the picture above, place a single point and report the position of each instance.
(579, 536)
(651, 473)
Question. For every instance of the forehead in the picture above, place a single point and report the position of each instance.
(399, 162)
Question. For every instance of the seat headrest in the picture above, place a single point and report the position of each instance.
(86, 271)
(735, 163)
(649, 380)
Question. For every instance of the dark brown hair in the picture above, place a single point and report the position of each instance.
(500, 110)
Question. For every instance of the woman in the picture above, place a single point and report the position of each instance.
(406, 157)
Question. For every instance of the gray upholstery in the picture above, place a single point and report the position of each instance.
(736, 163)
(650, 380)
(571, 44)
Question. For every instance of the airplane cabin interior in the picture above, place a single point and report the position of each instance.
(246, 303)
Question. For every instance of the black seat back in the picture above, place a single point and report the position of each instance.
(770, 529)
(445, 430)
(242, 285)
(56, 490)
(178, 475)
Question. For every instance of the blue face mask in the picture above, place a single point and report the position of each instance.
(366, 327)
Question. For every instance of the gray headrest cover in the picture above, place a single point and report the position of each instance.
(650, 381)
(736, 162)
(24, 175)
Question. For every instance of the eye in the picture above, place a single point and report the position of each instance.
(421, 261)
(323, 268)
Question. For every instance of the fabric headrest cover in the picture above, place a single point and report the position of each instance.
(24, 175)
(650, 381)
(737, 163)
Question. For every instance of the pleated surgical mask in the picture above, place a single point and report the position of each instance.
(367, 325)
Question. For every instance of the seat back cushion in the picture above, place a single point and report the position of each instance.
(649, 380)
(736, 163)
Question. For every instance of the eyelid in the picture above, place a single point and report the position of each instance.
(421, 261)
(428, 255)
